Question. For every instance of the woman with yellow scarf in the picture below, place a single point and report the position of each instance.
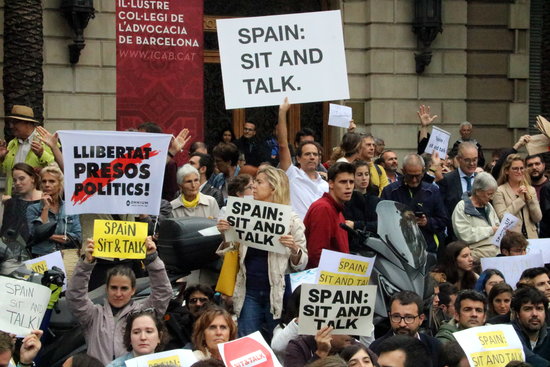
(191, 202)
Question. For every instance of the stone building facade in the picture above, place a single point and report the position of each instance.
(479, 70)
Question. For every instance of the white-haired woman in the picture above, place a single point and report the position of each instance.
(50, 228)
(260, 284)
(191, 203)
(475, 220)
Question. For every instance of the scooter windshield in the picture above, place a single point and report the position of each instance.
(397, 226)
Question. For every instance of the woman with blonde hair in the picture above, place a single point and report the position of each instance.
(259, 288)
(516, 196)
(50, 228)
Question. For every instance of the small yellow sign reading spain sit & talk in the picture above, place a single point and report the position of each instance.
(118, 239)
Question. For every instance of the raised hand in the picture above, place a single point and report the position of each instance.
(424, 115)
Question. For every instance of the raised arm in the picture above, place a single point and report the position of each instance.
(285, 159)
(52, 141)
(178, 143)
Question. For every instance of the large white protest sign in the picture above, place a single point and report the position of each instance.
(257, 224)
(439, 142)
(337, 268)
(339, 116)
(512, 266)
(265, 59)
(113, 172)
(22, 305)
(507, 222)
(248, 351)
(41, 264)
(490, 346)
(349, 309)
(175, 357)
(542, 245)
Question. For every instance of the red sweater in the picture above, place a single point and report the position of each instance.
(323, 229)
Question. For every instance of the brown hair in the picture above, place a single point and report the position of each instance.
(29, 170)
(149, 312)
(204, 321)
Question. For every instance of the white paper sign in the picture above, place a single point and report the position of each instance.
(349, 309)
(41, 264)
(339, 115)
(337, 268)
(22, 305)
(113, 172)
(308, 276)
(439, 142)
(509, 221)
(542, 245)
(257, 224)
(490, 346)
(175, 357)
(265, 59)
(512, 266)
(251, 350)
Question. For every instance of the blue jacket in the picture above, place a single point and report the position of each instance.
(540, 355)
(426, 199)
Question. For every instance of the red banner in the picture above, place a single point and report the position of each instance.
(160, 64)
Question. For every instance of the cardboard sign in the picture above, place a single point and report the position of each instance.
(339, 115)
(439, 142)
(22, 305)
(509, 221)
(257, 224)
(512, 266)
(299, 56)
(119, 239)
(348, 309)
(490, 346)
(175, 357)
(542, 245)
(337, 268)
(308, 276)
(113, 172)
(41, 264)
(251, 350)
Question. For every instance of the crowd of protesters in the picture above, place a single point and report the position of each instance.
(458, 202)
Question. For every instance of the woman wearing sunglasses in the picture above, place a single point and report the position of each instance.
(104, 325)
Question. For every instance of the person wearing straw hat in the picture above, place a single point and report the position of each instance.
(26, 147)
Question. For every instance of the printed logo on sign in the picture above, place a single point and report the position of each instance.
(137, 203)
(127, 202)
(249, 360)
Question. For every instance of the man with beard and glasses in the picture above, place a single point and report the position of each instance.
(406, 317)
(529, 320)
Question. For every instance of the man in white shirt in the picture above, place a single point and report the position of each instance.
(306, 185)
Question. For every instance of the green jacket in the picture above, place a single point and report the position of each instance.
(32, 160)
(445, 333)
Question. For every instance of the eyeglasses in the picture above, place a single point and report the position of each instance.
(469, 160)
(417, 177)
(198, 299)
(248, 129)
(517, 169)
(396, 318)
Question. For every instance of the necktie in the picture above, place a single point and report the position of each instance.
(468, 183)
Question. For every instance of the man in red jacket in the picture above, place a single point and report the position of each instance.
(324, 216)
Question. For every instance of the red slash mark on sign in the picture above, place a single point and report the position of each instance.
(105, 175)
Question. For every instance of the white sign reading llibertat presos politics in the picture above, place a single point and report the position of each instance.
(113, 172)
(300, 56)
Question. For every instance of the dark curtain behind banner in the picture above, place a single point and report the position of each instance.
(160, 65)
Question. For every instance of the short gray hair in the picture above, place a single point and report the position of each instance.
(483, 182)
(185, 170)
(465, 123)
(413, 159)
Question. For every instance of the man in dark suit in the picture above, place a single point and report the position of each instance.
(455, 184)
(406, 316)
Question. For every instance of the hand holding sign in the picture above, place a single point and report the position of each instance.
(30, 347)
(323, 339)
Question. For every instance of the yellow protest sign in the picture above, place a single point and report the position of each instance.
(174, 360)
(326, 277)
(493, 339)
(39, 267)
(496, 358)
(118, 239)
(353, 266)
